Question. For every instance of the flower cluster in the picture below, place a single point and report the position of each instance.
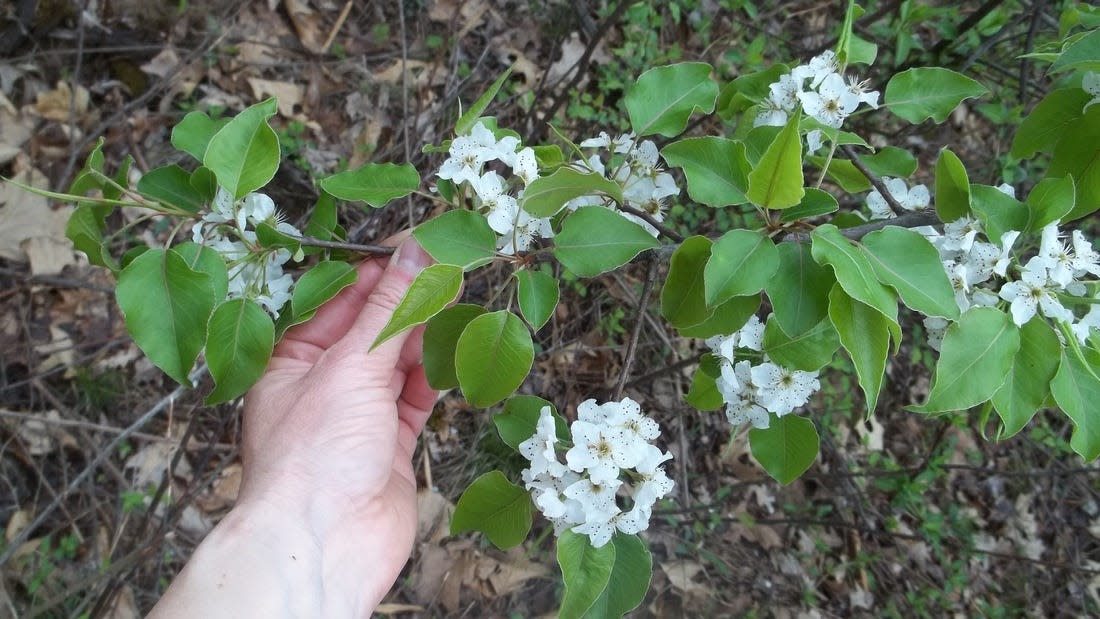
(469, 156)
(611, 460)
(255, 272)
(750, 391)
(636, 168)
(828, 98)
(909, 198)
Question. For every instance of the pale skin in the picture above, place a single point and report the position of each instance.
(326, 515)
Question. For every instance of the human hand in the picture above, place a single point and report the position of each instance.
(329, 433)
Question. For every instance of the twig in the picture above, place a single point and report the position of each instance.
(968, 23)
(377, 250)
(636, 334)
(93, 427)
(649, 219)
(336, 27)
(875, 180)
(107, 451)
(404, 98)
(1025, 63)
(57, 282)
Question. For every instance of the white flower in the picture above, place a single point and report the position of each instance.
(541, 448)
(1007, 189)
(859, 88)
(601, 141)
(1031, 294)
(739, 393)
(818, 69)
(255, 208)
(909, 199)
(1054, 256)
(784, 93)
(595, 497)
(959, 235)
(1091, 84)
(1085, 258)
(598, 530)
(624, 143)
(526, 167)
(516, 227)
(598, 452)
(276, 293)
(464, 164)
(935, 327)
(222, 208)
(780, 389)
(770, 115)
(1000, 267)
(832, 103)
(1083, 327)
(814, 140)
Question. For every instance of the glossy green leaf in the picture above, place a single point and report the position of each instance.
(244, 154)
(461, 238)
(799, 289)
(166, 305)
(492, 357)
(206, 260)
(891, 161)
(998, 211)
(1049, 201)
(929, 92)
(1048, 121)
(1083, 54)
(786, 448)
(1028, 384)
(547, 195)
(192, 135)
(537, 293)
(375, 183)
(726, 318)
(952, 187)
(808, 352)
(908, 263)
(497, 508)
(716, 169)
(519, 420)
(664, 98)
(682, 300)
(469, 118)
(816, 202)
(594, 240)
(746, 91)
(586, 570)
(853, 271)
(432, 290)
(741, 263)
(171, 185)
(843, 173)
(204, 183)
(323, 220)
(440, 340)
(975, 358)
(629, 581)
(703, 393)
(1076, 389)
(777, 181)
(1077, 154)
(85, 229)
(320, 284)
(865, 334)
(238, 348)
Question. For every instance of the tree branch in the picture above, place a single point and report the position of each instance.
(876, 181)
(636, 334)
(376, 250)
(649, 219)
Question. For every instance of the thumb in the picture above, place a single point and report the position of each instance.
(405, 264)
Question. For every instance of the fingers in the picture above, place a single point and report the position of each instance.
(414, 408)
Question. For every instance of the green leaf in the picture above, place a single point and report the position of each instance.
(854, 271)
(166, 305)
(206, 260)
(746, 91)
(193, 133)
(85, 229)
(496, 507)
(594, 240)
(432, 290)
(1049, 201)
(807, 352)
(682, 301)
(1083, 54)
(1076, 154)
(1028, 384)
(777, 181)
(952, 187)
(865, 334)
(844, 39)
(975, 358)
(461, 238)
(716, 169)
(238, 348)
(493, 356)
(844, 173)
(1076, 389)
(863, 51)
(998, 211)
(204, 183)
(786, 448)
(440, 340)
(799, 289)
(726, 318)
(171, 185)
(585, 570)
(519, 419)
(929, 92)
(891, 161)
(375, 183)
(537, 293)
(629, 581)
(815, 202)
(1048, 121)
(468, 119)
(244, 154)
(320, 284)
(547, 195)
(322, 221)
(741, 263)
(908, 263)
(663, 99)
(703, 393)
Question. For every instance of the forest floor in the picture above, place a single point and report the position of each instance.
(111, 474)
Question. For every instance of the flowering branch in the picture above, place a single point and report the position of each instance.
(876, 181)
(377, 250)
(915, 219)
(649, 219)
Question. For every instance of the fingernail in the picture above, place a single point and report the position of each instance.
(410, 257)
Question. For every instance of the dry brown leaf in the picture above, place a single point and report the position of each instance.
(287, 94)
(572, 50)
(18, 521)
(507, 577)
(224, 492)
(58, 104)
(433, 516)
(48, 256)
(393, 609)
(15, 129)
(420, 74)
(681, 575)
(24, 215)
(467, 14)
(58, 352)
(307, 23)
(42, 437)
(433, 565)
(151, 462)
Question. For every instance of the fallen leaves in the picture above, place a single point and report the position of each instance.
(27, 218)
